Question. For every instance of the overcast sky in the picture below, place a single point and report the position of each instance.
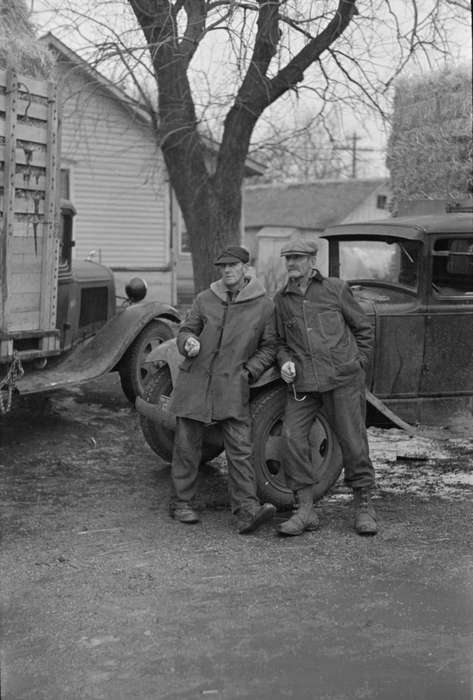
(213, 65)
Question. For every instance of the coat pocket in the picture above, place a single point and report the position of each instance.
(332, 326)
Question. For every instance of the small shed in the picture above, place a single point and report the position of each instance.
(275, 213)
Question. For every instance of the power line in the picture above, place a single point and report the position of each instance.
(355, 149)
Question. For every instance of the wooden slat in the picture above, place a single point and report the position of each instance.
(23, 206)
(23, 303)
(31, 184)
(6, 348)
(39, 88)
(22, 282)
(38, 159)
(24, 229)
(30, 266)
(35, 134)
(34, 110)
(51, 210)
(23, 246)
(24, 321)
(8, 197)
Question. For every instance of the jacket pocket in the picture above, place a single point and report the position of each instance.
(332, 326)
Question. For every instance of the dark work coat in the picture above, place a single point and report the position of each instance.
(324, 332)
(236, 339)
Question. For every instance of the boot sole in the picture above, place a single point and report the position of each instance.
(295, 533)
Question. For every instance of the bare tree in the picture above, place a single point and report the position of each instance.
(279, 48)
(303, 150)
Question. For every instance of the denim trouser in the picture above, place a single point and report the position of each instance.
(345, 408)
(186, 459)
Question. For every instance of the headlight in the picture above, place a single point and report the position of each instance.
(136, 289)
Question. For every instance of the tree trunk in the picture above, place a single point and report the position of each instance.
(210, 200)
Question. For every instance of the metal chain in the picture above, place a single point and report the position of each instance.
(7, 383)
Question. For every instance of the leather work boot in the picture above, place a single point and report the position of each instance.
(185, 514)
(365, 515)
(304, 519)
(249, 522)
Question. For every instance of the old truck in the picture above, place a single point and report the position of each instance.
(414, 278)
(59, 320)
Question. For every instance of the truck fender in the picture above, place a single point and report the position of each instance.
(167, 353)
(132, 319)
(100, 354)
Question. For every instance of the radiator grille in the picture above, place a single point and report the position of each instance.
(93, 306)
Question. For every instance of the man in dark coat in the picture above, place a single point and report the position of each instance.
(325, 342)
(228, 339)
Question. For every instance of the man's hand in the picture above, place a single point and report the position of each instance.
(288, 372)
(191, 347)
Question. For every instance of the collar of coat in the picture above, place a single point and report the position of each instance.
(252, 290)
(314, 276)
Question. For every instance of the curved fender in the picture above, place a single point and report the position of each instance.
(168, 353)
(101, 353)
(132, 319)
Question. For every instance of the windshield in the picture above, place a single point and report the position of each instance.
(393, 262)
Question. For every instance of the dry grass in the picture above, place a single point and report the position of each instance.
(430, 149)
(19, 47)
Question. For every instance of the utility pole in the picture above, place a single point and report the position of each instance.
(355, 149)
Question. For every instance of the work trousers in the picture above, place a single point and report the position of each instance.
(345, 409)
(187, 456)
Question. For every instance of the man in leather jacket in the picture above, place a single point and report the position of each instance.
(325, 342)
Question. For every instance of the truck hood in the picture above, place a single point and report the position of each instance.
(89, 271)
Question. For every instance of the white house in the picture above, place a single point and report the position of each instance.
(114, 174)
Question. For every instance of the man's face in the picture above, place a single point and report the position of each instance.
(233, 274)
(299, 266)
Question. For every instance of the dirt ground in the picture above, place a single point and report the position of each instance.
(105, 597)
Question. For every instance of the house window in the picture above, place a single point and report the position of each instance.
(453, 266)
(381, 201)
(184, 242)
(65, 183)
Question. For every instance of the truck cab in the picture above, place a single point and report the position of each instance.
(86, 290)
(59, 322)
(414, 277)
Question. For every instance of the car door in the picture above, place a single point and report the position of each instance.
(448, 348)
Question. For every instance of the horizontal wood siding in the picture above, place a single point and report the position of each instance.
(118, 180)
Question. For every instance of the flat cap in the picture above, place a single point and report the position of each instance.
(299, 246)
(232, 254)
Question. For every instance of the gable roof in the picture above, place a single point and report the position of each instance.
(313, 205)
(137, 109)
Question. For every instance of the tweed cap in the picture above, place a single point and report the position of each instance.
(299, 246)
(232, 254)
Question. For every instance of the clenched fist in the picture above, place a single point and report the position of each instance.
(191, 347)
(288, 372)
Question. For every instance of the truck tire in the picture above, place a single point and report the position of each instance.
(135, 374)
(160, 439)
(267, 410)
